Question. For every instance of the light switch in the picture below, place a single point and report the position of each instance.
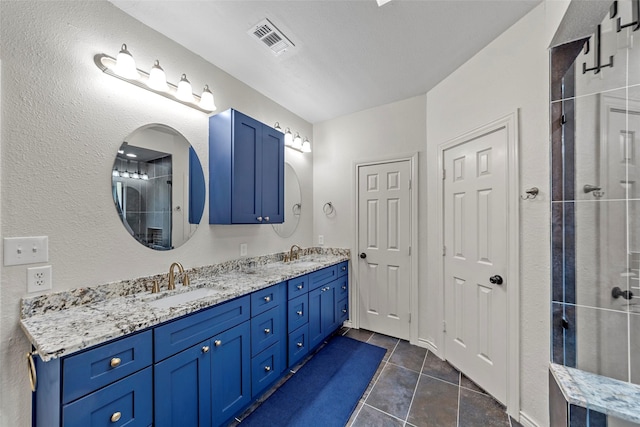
(243, 249)
(26, 250)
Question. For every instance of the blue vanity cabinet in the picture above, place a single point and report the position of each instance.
(322, 313)
(246, 171)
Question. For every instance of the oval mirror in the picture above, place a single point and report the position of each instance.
(292, 203)
(158, 187)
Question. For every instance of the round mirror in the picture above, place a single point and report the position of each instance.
(158, 187)
(292, 203)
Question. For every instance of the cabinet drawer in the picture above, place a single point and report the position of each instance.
(95, 368)
(342, 310)
(126, 402)
(267, 329)
(297, 314)
(342, 287)
(183, 333)
(322, 277)
(267, 298)
(343, 268)
(298, 345)
(298, 286)
(265, 369)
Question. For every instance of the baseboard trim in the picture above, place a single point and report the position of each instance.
(429, 345)
(526, 421)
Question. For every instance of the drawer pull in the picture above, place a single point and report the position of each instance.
(344, 287)
(115, 362)
(267, 368)
(267, 330)
(344, 268)
(116, 417)
(299, 345)
(266, 218)
(267, 299)
(217, 343)
(299, 313)
(205, 349)
(259, 219)
(300, 287)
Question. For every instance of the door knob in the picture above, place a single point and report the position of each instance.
(496, 280)
(363, 255)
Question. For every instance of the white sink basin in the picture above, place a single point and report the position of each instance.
(304, 264)
(183, 298)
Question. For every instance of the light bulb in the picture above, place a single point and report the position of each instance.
(306, 146)
(135, 175)
(125, 65)
(184, 92)
(297, 142)
(115, 172)
(157, 78)
(144, 176)
(288, 138)
(124, 174)
(206, 100)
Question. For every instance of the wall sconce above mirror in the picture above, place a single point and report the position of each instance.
(158, 187)
(124, 67)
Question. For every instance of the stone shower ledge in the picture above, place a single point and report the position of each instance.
(606, 395)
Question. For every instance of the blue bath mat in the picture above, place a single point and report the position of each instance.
(325, 391)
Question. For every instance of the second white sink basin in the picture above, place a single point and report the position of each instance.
(183, 298)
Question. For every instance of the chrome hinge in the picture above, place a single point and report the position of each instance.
(409, 184)
(444, 250)
(444, 174)
(409, 250)
(444, 326)
(409, 317)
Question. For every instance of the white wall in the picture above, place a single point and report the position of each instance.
(511, 73)
(63, 120)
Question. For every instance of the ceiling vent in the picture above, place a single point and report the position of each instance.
(269, 35)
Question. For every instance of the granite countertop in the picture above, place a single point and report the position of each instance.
(62, 323)
(609, 396)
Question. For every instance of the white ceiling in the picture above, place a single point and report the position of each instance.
(349, 55)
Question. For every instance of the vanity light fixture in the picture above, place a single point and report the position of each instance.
(124, 68)
(277, 127)
(115, 172)
(297, 142)
(288, 138)
(125, 174)
(306, 146)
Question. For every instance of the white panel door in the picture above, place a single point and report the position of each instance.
(475, 255)
(384, 230)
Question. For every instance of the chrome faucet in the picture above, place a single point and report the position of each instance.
(185, 276)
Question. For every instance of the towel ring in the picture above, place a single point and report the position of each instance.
(328, 208)
(296, 209)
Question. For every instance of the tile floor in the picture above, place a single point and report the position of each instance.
(414, 388)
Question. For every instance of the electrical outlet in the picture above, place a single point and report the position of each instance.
(243, 249)
(39, 279)
(26, 250)
(320, 239)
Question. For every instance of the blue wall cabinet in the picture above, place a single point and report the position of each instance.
(246, 171)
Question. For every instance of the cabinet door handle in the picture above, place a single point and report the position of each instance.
(205, 349)
(344, 310)
(266, 218)
(300, 287)
(299, 344)
(267, 330)
(299, 313)
(116, 417)
(267, 299)
(267, 368)
(217, 343)
(115, 362)
(344, 288)
(344, 268)
(259, 219)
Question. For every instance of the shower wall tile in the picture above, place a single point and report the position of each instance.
(601, 342)
(563, 352)
(569, 231)
(563, 59)
(557, 251)
(557, 168)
